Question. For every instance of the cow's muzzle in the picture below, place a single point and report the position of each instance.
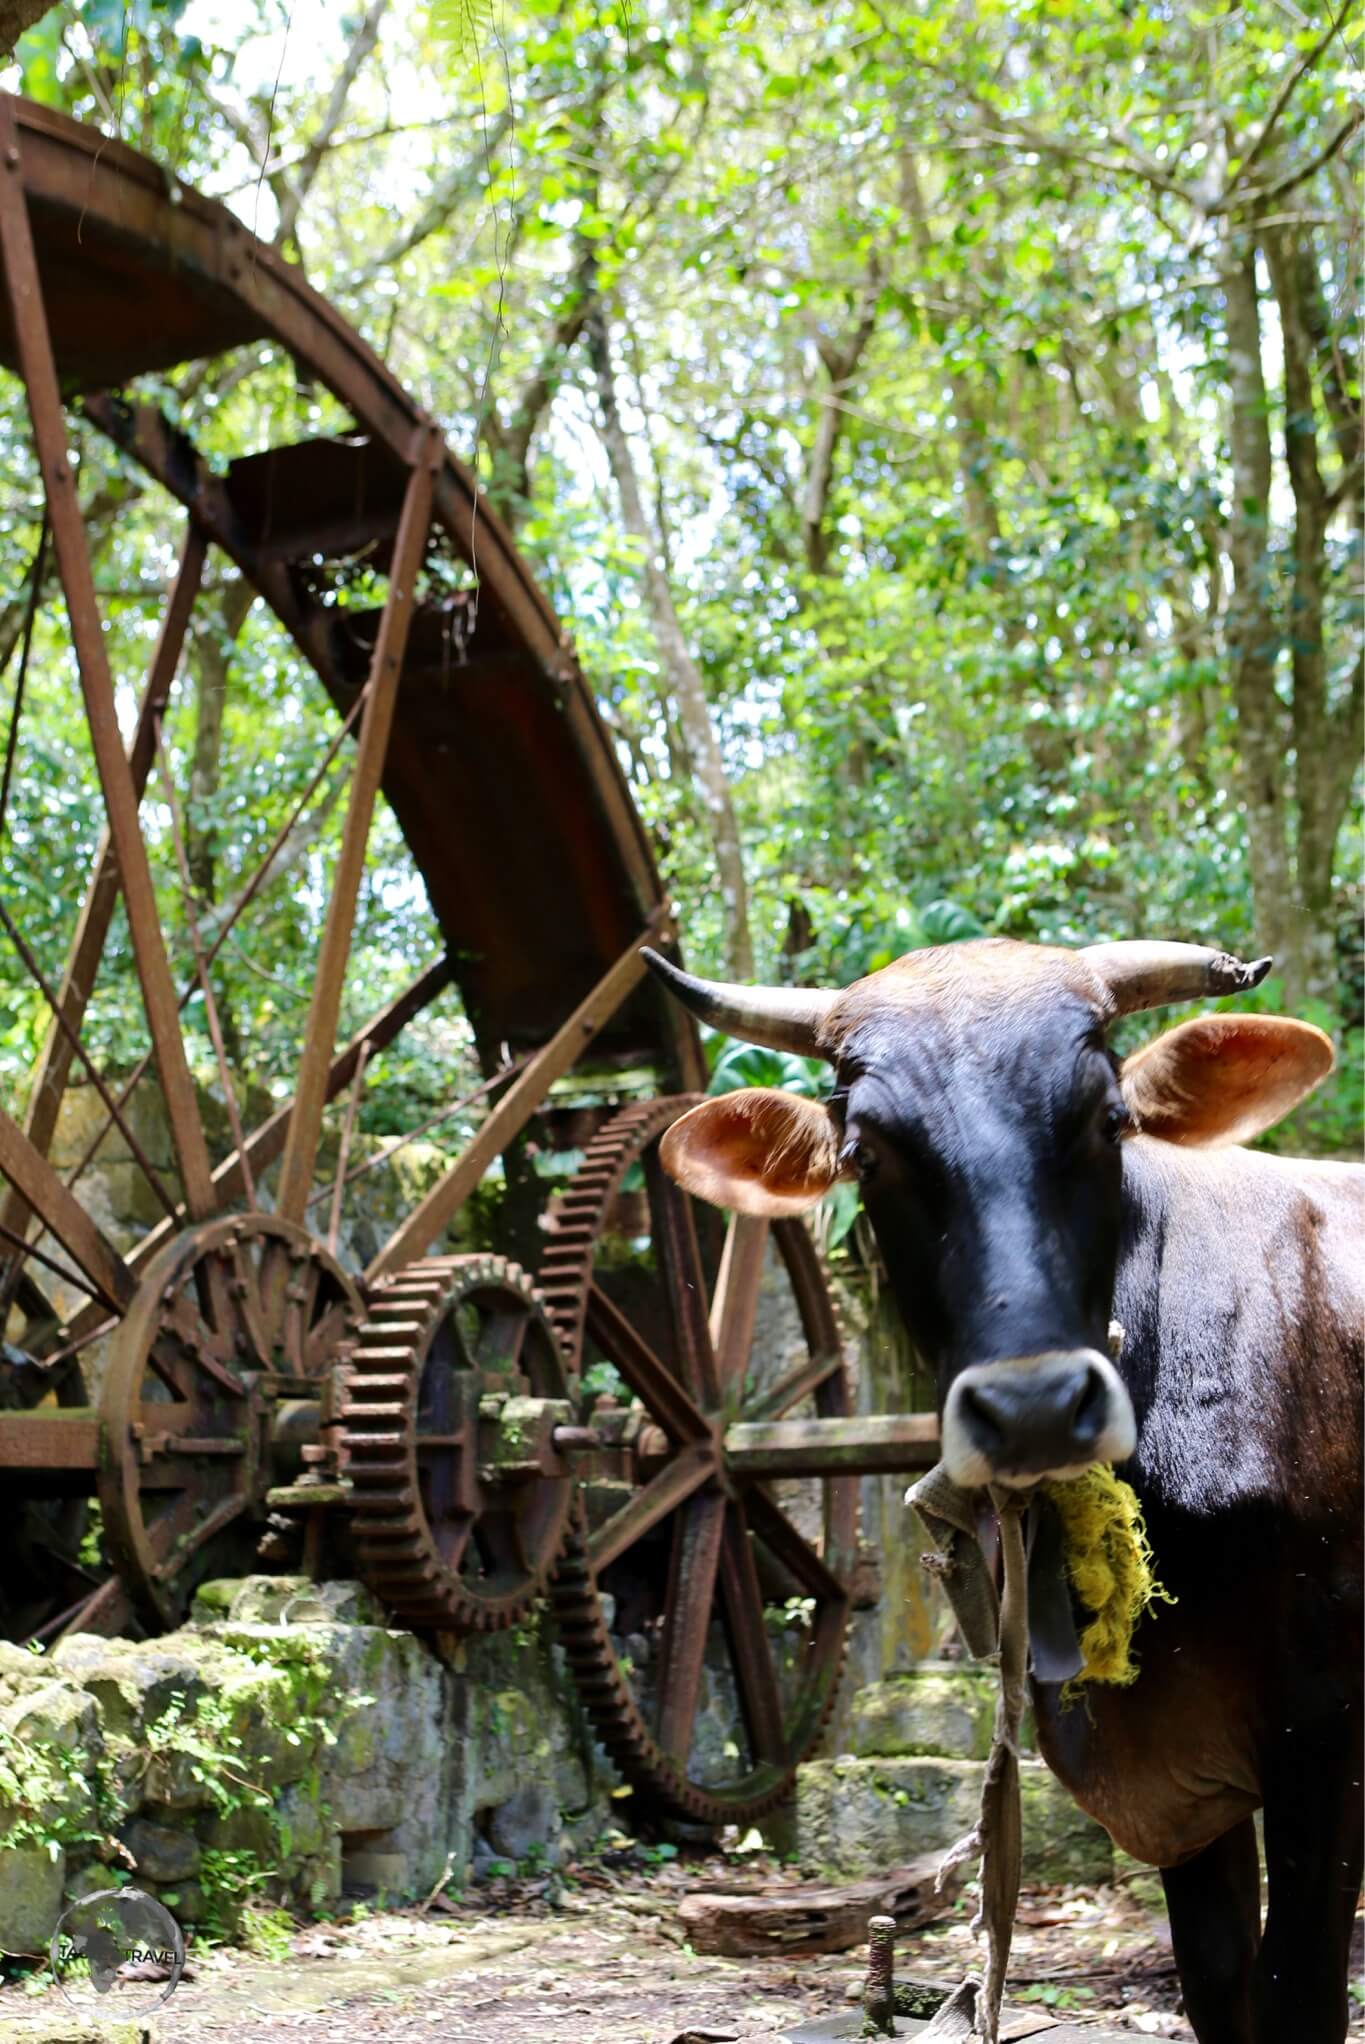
(1037, 1416)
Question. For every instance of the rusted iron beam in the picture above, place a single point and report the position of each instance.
(648, 1377)
(63, 1271)
(697, 1534)
(663, 1494)
(515, 1109)
(674, 1228)
(68, 1438)
(61, 1213)
(34, 350)
(792, 1550)
(201, 971)
(264, 1145)
(746, 1631)
(738, 1283)
(53, 999)
(300, 1154)
(871, 1444)
(92, 927)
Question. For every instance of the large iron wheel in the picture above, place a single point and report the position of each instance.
(703, 1611)
(455, 698)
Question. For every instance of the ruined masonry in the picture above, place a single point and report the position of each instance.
(910, 1783)
(243, 1755)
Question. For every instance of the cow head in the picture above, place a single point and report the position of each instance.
(978, 1106)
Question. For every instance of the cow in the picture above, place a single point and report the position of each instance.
(1027, 1189)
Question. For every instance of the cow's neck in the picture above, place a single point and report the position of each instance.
(1231, 1335)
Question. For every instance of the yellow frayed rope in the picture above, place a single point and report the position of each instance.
(1110, 1566)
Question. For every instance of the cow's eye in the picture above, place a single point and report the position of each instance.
(1117, 1122)
(859, 1157)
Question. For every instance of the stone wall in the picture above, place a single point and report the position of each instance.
(284, 1745)
(909, 1782)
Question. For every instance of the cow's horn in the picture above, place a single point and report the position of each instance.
(1140, 975)
(782, 1018)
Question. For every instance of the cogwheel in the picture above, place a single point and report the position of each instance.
(673, 1549)
(460, 1504)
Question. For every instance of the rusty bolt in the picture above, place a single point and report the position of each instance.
(11, 158)
(879, 1994)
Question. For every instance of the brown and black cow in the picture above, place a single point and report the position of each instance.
(1026, 1188)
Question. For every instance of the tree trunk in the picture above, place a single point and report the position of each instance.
(681, 670)
(17, 16)
(1252, 631)
(1326, 747)
(841, 360)
(211, 655)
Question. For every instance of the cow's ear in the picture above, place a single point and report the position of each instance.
(1223, 1078)
(757, 1150)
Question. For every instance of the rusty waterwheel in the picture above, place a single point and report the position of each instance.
(194, 1379)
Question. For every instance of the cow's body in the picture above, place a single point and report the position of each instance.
(1023, 1186)
(1239, 1290)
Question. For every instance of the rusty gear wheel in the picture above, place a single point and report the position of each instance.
(219, 1373)
(460, 1501)
(694, 1594)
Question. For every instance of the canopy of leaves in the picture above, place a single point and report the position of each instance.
(974, 674)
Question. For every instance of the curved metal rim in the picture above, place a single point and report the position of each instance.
(112, 188)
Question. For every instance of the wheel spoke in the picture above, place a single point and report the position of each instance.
(675, 1245)
(747, 1634)
(296, 1172)
(97, 910)
(675, 1483)
(431, 1217)
(697, 1538)
(650, 1379)
(790, 1548)
(500, 1340)
(33, 346)
(186, 1539)
(89, 1249)
(736, 1302)
(802, 1382)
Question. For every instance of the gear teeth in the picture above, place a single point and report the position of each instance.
(396, 1547)
(573, 1224)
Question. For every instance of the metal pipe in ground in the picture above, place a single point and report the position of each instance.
(879, 1991)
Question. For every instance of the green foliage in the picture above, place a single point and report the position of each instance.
(1002, 704)
(45, 1798)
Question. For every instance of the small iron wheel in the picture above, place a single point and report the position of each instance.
(702, 1611)
(217, 1375)
(460, 1500)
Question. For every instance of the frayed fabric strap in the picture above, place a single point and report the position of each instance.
(949, 1514)
(995, 1626)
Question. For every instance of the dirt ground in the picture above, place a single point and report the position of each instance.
(595, 1955)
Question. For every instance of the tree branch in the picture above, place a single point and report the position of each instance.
(16, 17)
(1267, 194)
(1282, 99)
(300, 183)
(460, 182)
(841, 360)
